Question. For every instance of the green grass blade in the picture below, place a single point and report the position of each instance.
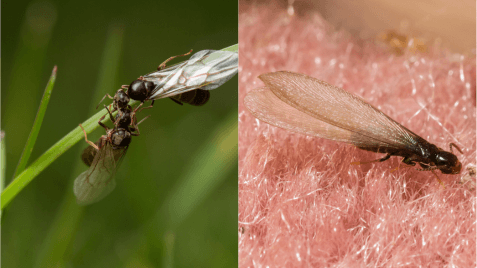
(55, 249)
(48, 157)
(37, 124)
(219, 153)
(169, 239)
(3, 163)
(233, 48)
(3, 160)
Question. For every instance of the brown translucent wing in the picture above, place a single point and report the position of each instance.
(266, 106)
(307, 105)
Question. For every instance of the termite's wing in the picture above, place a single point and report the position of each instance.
(98, 181)
(337, 107)
(206, 69)
(266, 106)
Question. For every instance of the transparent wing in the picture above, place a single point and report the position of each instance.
(98, 181)
(307, 105)
(206, 69)
(89, 153)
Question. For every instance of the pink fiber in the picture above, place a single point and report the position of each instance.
(301, 203)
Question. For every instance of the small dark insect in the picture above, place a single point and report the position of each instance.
(123, 120)
(309, 106)
(105, 156)
(186, 82)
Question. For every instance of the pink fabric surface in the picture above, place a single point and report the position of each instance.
(301, 203)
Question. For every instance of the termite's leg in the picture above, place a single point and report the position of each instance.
(440, 182)
(377, 160)
(407, 161)
(427, 169)
(457, 147)
(86, 139)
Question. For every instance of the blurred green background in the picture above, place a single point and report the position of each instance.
(175, 203)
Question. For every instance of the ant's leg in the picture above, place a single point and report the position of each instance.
(107, 95)
(457, 147)
(111, 117)
(163, 65)
(137, 110)
(125, 87)
(135, 126)
(143, 119)
(176, 101)
(133, 115)
(377, 160)
(103, 125)
(101, 119)
(148, 107)
(86, 139)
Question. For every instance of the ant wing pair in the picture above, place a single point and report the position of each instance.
(206, 69)
(98, 181)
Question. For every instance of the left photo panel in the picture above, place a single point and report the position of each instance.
(119, 132)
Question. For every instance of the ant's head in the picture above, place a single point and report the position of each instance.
(121, 99)
(120, 138)
(139, 89)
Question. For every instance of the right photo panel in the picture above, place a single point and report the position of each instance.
(357, 134)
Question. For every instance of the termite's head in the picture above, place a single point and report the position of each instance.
(447, 162)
